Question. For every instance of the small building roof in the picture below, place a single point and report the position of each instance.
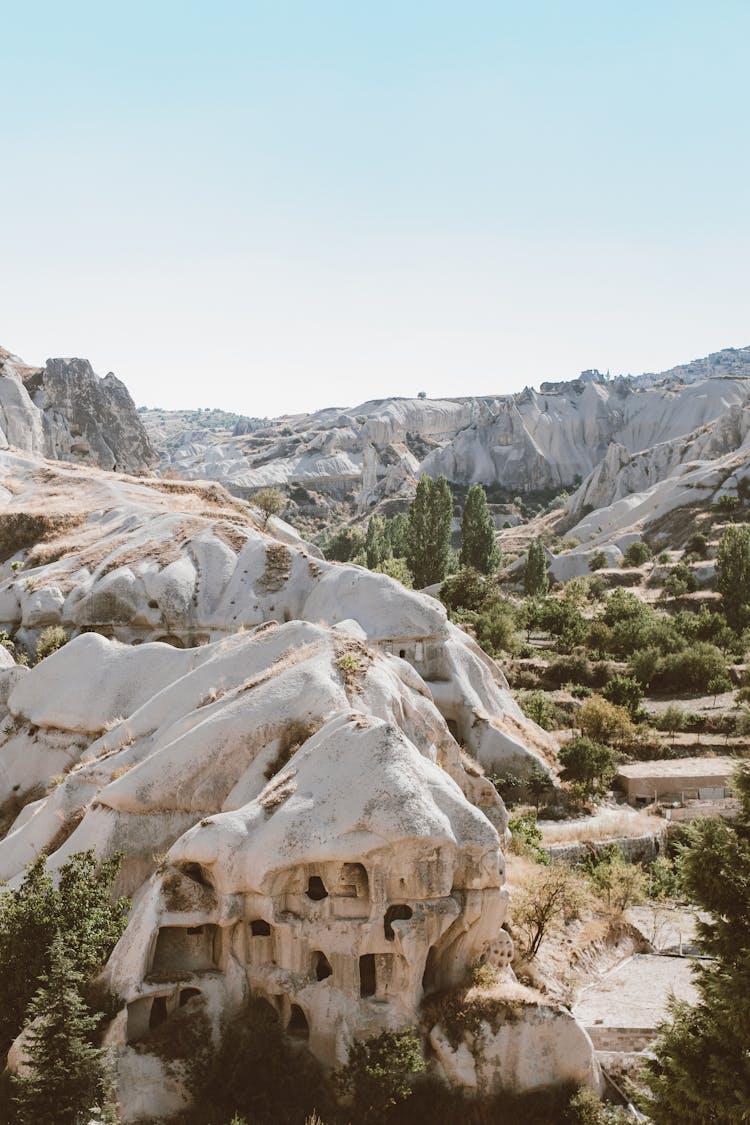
(679, 767)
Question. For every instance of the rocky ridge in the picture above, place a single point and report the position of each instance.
(345, 461)
(65, 411)
(284, 777)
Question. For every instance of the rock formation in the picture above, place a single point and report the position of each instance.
(63, 410)
(534, 440)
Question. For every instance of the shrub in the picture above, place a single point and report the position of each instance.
(624, 691)
(466, 589)
(344, 544)
(663, 879)
(526, 837)
(270, 501)
(622, 883)
(550, 898)
(379, 1073)
(603, 721)
(587, 764)
(50, 640)
(398, 569)
(258, 1073)
(692, 669)
(680, 580)
(697, 544)
(494, 625)
(636, 554)
(538, 707)
(598, 561)
(575, 669)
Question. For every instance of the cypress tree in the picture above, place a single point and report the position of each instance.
(733, 574)
(374, 545)
(478, 547)
(535, 582)
(429, 533)
(64, 1076)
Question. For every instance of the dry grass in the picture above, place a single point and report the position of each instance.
(352, 660)
(278, 567)
(612, 824)
(19, 530)
(277, 791)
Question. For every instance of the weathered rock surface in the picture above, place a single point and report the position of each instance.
(187, 564)
(64, 411)
(328, 846)
(524, 1043)
(545, 439)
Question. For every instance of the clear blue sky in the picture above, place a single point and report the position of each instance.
(275, 206)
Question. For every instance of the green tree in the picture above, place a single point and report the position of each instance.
(260, 1075)
(546, 901)
(597, 561)
(342, 545)
(395, 534)
(671, 720)
(623, 883)
(374, 544)
(526, 838)
(587, 764)
(636, 554)
(80, 907)
(429, 533)
(270, 501)
(65, 1075)
(396, 568)
(478, 547)
(535, 582)
(466, 589)
(733, 574)
(718, 685)
(700, 1071)
(379, 1073)
(624, 691)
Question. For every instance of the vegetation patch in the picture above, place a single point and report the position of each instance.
(294, 735)
(19, 530)
(277, 569)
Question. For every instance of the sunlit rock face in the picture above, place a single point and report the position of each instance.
(188, 565)
(65, 411)
(358, 879)
(536, 439)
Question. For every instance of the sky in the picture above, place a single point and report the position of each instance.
(277, 206)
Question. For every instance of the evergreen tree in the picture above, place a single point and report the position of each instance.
(478, 547)
(65, 1075)
(395, 535)
(733, 574)
(80, 907)
(374, 545)
(535, 581)
(429, 531)
(701, 1072)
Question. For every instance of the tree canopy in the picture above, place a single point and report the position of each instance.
(535, 582)
(701, 1072)
(478, 547)
(733, 574)
(429, 531)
